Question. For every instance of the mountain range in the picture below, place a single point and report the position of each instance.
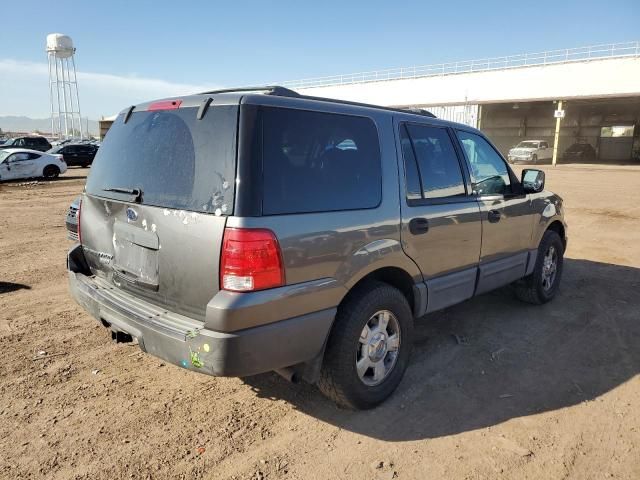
(12, 123)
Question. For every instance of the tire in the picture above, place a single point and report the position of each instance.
(50, 171)
(339, 377)
(534, 159)
(538, 288)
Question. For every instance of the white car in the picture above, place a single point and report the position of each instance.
(530, 151)
(16, 163)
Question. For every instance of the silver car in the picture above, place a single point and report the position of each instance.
(530, 151)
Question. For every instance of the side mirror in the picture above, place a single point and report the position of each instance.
(532, 180)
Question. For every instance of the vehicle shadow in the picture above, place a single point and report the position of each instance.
(494, 358)
(42, 180)
(8, 287)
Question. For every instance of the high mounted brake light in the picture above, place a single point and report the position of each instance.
(165, 105)
(250, 260)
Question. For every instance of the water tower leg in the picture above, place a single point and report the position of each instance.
(51, 95)
(75, 83)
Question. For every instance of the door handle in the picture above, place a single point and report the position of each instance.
(494, 216)
(418, 225)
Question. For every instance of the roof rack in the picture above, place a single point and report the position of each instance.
(416, 111)
(268, 89)
(419, 111)
(279, 91)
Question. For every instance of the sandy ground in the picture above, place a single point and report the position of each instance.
(533, 392)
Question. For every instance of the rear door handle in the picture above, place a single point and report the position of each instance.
(418, 225)
(494, 216)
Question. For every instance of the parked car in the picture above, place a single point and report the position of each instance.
(71, 221)
(76, 154)
(31, 142)
(530, 151)
(17, 163)
(580, 152)
(238, 232)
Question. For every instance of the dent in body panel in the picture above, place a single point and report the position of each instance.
(186, 280)
(374, 256)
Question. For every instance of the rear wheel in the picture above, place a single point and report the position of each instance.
(368, 348)
(50, 171)
(542, 285)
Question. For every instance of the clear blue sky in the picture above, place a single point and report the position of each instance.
(200, 43)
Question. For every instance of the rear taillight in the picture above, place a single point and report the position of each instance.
(250, 260)
(78, 221)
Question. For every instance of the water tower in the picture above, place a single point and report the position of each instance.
(63, 87)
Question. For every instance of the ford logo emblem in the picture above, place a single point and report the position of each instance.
(132, 215)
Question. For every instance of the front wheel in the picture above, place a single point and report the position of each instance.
(50, 171)
(542, 285)
(369, 347)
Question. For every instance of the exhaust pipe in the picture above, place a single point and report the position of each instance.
(289, 374)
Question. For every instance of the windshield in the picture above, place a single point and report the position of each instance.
(57, 149)
(9, 141)
(169, 159)
(527, 145)
(3, 155)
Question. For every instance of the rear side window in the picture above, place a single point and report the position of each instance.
(432, 169)
(318, 162)
(176, 160)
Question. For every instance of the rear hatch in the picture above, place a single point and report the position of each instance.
(156, 200)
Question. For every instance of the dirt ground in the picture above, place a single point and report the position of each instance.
(531, 392)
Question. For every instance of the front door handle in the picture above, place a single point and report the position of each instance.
(494, 216)
(418, 225)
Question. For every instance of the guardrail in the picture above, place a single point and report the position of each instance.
(551, 57)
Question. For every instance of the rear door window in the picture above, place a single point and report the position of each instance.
(318, 162)
(177, 161)
(432, 169)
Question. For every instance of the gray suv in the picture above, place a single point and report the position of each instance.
(243, 231)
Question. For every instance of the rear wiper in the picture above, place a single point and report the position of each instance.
(135, 192)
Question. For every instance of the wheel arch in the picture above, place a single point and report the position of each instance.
(558, 227)
(396, 277)
(415, 293)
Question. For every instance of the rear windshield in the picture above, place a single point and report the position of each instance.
(319, 162)
(175, 160)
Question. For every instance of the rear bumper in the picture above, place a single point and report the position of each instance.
(185, 342)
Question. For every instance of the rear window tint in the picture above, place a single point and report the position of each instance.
(176, 160)
(318, 162)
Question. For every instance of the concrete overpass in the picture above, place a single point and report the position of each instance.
(513, 98)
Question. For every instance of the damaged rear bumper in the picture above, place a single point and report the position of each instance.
(185, 342)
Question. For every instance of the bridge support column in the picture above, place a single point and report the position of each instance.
(557, 135)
